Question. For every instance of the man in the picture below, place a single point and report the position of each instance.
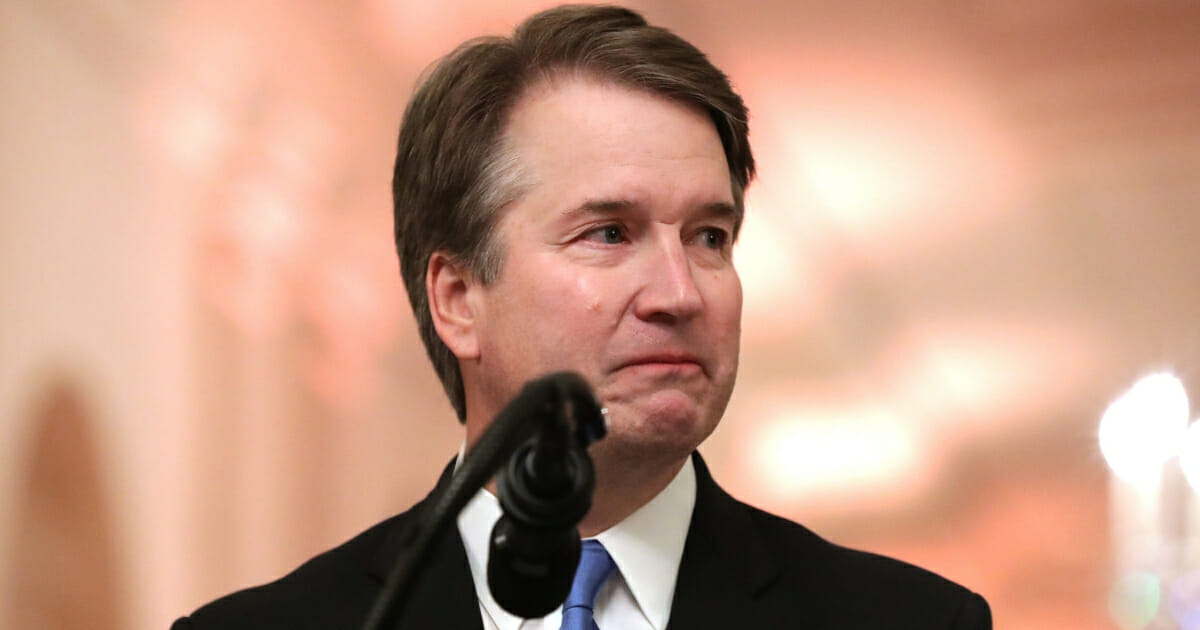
(567, 199)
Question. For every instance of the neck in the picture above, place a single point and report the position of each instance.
(623, 485)
(626, 478)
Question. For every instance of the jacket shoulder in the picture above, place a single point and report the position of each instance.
(744, 566)
(865, 589)
(333, 589)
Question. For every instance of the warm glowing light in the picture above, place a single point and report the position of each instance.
(1189, 456)
(1143, 428)
(781, 288)
(816, 456)
(878, 146)
(1134, 600)
(857, 174)
(766, 262)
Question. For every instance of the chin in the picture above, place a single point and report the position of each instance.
(659, 429)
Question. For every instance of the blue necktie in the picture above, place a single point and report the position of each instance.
(595, 565)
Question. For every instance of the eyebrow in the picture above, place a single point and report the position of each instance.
(723, 209)
(599, 206)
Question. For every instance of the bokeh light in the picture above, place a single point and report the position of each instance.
(1183, 600)
(1142, 429)
(1134, 600)
(823, 456)
(1189, 455)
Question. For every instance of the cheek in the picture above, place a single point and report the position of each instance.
(725, 312)
(589, 292)
(564, 309)
(576, 309)
(725, 303)
(575, 292)
(736, 298)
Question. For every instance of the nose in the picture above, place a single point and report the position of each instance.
(669, 291)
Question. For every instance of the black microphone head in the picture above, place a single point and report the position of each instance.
(545, 488)
(529, 570)
(541, 503)
(582, 407)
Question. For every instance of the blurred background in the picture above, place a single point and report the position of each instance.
(974, 237)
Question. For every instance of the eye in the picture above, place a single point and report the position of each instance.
(714, 238)
(611, 234)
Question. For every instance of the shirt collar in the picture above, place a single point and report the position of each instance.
(647, 547)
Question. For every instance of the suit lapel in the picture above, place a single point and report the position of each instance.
(443, 595)
(725, 565)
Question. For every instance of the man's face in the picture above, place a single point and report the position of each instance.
(617, 265)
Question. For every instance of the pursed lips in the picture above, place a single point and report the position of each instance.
(662, 360)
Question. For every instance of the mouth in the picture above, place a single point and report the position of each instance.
(665, 363)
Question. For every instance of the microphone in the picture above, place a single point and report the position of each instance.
(545, 489)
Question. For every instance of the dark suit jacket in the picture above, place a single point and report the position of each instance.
(741, 568)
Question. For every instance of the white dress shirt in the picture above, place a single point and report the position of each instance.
(646, 547)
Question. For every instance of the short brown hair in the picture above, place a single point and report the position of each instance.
(453, 174)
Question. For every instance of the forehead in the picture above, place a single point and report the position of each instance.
(586, 103)
(593, 133)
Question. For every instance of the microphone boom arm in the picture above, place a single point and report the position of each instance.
(511, 428)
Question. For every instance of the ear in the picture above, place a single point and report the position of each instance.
(448, 286)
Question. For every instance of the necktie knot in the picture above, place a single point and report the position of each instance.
(595, 565)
